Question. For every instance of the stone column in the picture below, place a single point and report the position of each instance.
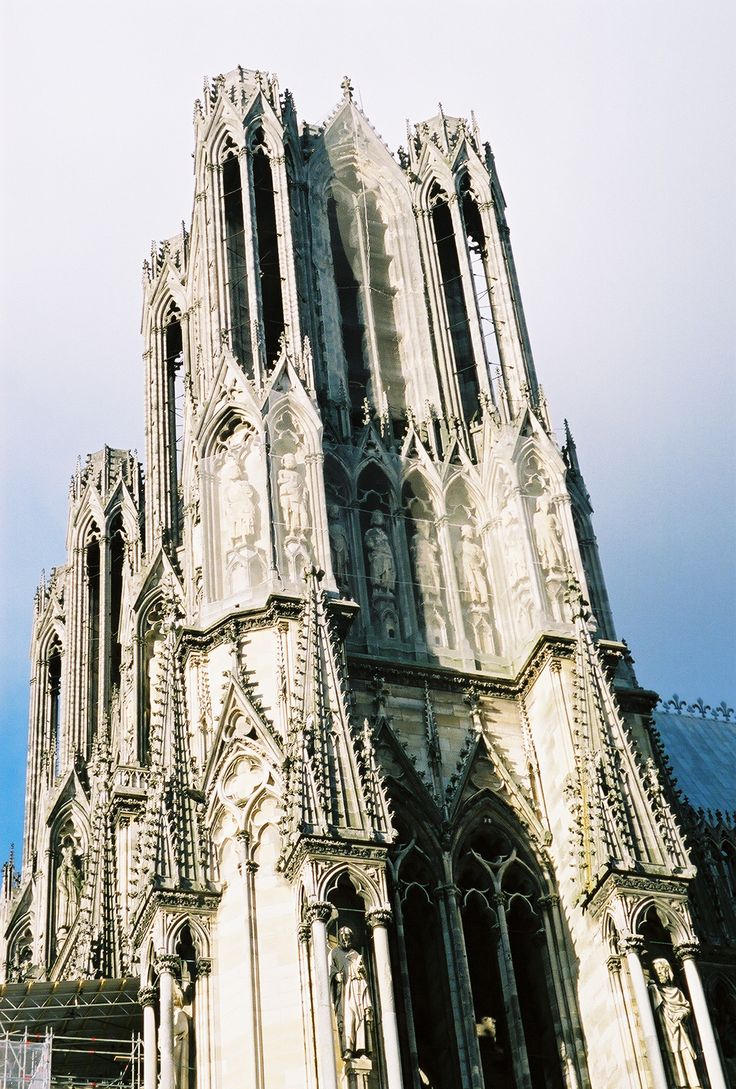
(464, 1015)
(519, 1055)
(319, 914)
(378, 920)
(631, 948)
(701, 1014)
(203, 1024)
(166, 965)
(147, 998)
(250, 979)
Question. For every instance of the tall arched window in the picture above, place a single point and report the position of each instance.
(92, 573)
(117, 561)
(267, 247)
(174, 363)
(353, 329)
(508, 963)
(477, 246)
(234, 239)
(451, 280)
(53, 681)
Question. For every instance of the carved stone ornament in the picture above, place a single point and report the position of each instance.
(351, 998)
(321, 910)
(672, 1010)
(379, 917)
(147, 996)
(167, 963)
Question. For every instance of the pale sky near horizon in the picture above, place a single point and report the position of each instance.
(613, 130)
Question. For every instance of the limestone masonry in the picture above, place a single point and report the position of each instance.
(338, 774)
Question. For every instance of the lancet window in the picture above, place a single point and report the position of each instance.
(267, 247)
(477, 253)
(236, 268)
(53, 689)
(174, 363)
(93, 580)
(117, 562)
(362, 263)
(509, 964)
(456, 312)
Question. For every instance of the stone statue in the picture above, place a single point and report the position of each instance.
(239, 495)
(549, 537)
(381, 563)
(340, 549)
(426, 561)
(350, 997)
(292, 498)
(673, 1010)
(472, 567)
(181, 1041)
(68, 887)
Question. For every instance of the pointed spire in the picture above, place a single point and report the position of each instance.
(569, 450)
(333, 785)
(612, 792)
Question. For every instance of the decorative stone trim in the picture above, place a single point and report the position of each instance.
(634, 943)
(167, 962)
(147, 996)
(321, 910)
(687, 949)
(204, 966)
(379, 917)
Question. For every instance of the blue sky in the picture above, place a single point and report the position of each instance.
(612, 126)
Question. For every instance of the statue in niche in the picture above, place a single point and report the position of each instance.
(240, 499)
(293, 498)
(181, 1041)
(472, 566)
(426, 562)
(548, 533)
(350, 997)
(68, 887)
(381, 563)
(340, 549)
(673, 1010)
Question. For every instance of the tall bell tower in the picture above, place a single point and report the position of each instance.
(334, 751)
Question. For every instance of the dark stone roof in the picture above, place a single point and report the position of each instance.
(702, 752)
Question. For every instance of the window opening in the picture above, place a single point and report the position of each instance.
(267, 250)
(54, 683)
(117, 559)
(457, 314)
(232, 195)
(353, 329)
(93, 636)
(174, 361)
(477, 251)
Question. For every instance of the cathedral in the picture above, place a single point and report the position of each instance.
(338, 774)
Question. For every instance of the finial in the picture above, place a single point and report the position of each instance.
(347, 88)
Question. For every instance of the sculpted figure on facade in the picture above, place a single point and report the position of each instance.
(293, 499)
(68, 887)
(381, 563)
(239, 495)
(473, 567)
(548, 534)
(181, 1041)
(350, 997)
(340, 549)
(673, 1012)
(426, 562)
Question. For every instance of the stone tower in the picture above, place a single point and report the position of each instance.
(334, 752)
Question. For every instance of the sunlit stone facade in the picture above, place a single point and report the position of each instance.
(333, 749)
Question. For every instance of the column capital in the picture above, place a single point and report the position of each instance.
(303, 931)
(549, 902)
(687, 950)
(378, 917)
(168, 963)
(147, 996)
(320, 911)
(614, 964)
(204, 966)
(633, 943)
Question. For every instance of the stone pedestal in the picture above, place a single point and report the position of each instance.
(356, 1073)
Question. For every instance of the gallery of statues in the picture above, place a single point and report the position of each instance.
(339, 776)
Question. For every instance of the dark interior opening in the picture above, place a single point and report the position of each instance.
(351, 321)
(93, 637)
(117, 560)
(457, 314)
(174, 360)
(267, 245)
(232, 196)
(54, 683)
